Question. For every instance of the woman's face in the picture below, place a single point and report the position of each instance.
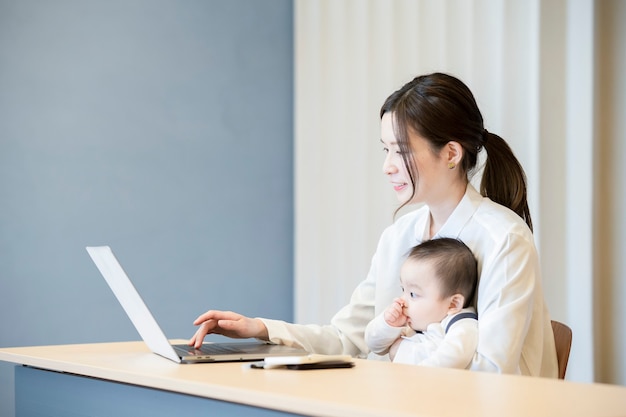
(430, 168)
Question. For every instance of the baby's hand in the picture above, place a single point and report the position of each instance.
(394, 315)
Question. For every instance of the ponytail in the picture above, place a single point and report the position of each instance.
(504, 180)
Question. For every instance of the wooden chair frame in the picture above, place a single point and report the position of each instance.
(563, 342)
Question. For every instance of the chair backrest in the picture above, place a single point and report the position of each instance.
(563, 342)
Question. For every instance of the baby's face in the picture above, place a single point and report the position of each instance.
(423, 304)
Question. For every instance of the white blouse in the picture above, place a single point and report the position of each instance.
(515, 334)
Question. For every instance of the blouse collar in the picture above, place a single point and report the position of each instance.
(458, 219)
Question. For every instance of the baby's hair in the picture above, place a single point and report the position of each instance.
(455, 266)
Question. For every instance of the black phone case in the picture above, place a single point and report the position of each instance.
(322, 365)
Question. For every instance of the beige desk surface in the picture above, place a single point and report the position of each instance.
(369, 389)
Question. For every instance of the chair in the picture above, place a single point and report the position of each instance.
(563, 342)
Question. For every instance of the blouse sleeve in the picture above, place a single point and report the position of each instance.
(505, 304)
(345, 334)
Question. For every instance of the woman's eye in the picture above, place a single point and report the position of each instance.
(397, 151)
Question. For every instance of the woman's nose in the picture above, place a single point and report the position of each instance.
(388, 166)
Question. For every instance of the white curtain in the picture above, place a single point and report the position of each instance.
(529, 65)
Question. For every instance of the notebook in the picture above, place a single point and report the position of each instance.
(151, 332)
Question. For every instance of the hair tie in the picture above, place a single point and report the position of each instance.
(483, 140)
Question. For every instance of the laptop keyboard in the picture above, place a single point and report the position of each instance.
(210, 348)
(220, 348)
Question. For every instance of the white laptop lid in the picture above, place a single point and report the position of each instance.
(132, 302)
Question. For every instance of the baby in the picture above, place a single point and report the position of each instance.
(432, 323)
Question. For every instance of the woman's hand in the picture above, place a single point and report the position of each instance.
(227, 323)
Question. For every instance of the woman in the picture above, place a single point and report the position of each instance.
(432, 132)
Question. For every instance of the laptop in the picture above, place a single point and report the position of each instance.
(153, 336)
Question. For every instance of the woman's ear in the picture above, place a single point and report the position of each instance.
(453, 153)
(456, 303)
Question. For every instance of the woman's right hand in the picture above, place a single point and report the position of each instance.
(227, 323)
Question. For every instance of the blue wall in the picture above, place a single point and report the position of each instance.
(161, 128)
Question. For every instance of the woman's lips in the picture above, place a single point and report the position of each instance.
(399, 187)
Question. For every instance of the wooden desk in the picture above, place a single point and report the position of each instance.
(126, 379)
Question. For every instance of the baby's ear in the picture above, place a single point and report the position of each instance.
(456, 303)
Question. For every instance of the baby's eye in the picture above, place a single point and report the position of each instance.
(413, 294)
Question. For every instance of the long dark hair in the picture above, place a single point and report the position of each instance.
(441, 108)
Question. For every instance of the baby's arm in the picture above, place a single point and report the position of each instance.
(382, 332)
